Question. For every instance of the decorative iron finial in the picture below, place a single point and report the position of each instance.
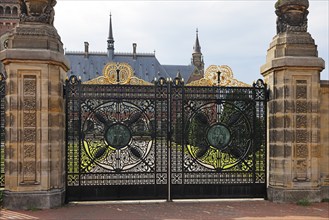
(218, 77)
(178, 75)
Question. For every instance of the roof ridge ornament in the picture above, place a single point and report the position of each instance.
(226, 78)
(118, 73)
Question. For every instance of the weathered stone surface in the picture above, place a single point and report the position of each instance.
(282, 195)
(324, 192)
(278, 122)
(287, 150)
(324, 138)
(292, 71)
(34, 36)
(36, 66)
(292, 15)
(37, 11)
(277, 151)
(34, 200)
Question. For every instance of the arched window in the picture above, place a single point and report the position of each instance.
(15, 10)
(7, 10)
(1, 10)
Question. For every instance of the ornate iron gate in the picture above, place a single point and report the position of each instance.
(2, 129)
(223, 150)
(165, 141)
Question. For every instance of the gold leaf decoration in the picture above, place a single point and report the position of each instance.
(110, 77)
(226, 78)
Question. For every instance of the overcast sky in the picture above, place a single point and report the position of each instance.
(231, 32)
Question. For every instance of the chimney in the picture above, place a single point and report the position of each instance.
(86, 49)
(134, 51)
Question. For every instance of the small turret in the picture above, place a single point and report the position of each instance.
(197, 59)
(197, 48)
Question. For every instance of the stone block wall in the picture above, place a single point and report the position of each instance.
(35, 117)
(38, 119)
(324, 138)
(35, 151)
(292, 71)
(294, 133)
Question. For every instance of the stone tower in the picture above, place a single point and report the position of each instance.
(292, 71)
(197, 61)
(35, 66)
(9, 15)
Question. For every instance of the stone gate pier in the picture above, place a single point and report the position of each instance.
(298, 109)
(36, 68)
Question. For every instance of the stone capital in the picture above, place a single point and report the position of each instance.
(35, 56)
(293, 62)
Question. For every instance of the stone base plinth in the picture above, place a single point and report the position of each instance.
(34, 200)
(281, 195)
(325, 192)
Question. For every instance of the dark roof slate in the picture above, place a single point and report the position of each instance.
(146, 66)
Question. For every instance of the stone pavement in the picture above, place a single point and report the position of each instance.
(179, 210)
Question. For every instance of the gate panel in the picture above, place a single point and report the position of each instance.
(2, 129)
(223, 150)
(117, 141)
(165, 141)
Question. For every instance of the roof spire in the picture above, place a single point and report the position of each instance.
(197, 48)
(110, 40)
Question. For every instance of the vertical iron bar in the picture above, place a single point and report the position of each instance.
(155, 135)
(264, 101)
(163, 145)
(169, 139)
(183, 135)
(66, 96)
(253, 147)
(79, 90)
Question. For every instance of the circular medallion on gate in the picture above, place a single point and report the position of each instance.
(117, 142)
(218, 136)
(118, 136)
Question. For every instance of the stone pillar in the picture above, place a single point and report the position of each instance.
(36, 68)
(324, 133)
(292, 72)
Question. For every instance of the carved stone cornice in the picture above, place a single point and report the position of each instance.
(32, 30)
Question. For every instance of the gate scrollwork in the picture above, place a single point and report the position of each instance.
(117, 136)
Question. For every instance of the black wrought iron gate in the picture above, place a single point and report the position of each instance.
(165, 141)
